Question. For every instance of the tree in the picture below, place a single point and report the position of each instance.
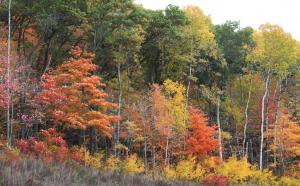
(84, 104)
(8, 119)
(164, 50)
(201, 138)
(235, 43)
(117, 35)
(272, 38)
(201, 39)
(286, 145)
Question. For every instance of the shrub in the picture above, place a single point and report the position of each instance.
(132, 165)
(216, 180)
(237, 171)
(187, 169)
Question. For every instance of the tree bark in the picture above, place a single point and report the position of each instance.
(8, 119)
(219, 129)
(262, 122)
(246, 115)
(119, 103)
(276, 122)
(167, 149)
(142, 110)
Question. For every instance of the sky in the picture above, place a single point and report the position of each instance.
(285, 13)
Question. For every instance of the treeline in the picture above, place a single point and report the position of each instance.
(159, 92)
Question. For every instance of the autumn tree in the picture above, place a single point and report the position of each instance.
(202, 138)
(84, 104)
(286, 141)
(163, 122)
(268, 39)
(201, 40)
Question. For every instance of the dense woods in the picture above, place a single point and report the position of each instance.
(110, 86)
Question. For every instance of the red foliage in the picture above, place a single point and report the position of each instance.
(216, 180)
(201, 140)
(49, 146)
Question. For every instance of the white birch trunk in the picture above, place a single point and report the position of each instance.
(262, 122)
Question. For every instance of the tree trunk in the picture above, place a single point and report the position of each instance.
(246, 116)
(8, 119)
(219, 129)
(152, 124)
(262, 122)
(188, 87)
(144, 120)
(167, 149)
(119, 103)
(276, 122)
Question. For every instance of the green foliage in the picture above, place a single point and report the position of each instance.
(164, 48)
(235, 43)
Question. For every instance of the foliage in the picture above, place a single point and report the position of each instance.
(49, 146)
(85, 104)
(272, 38)
(217, 180)
(237, 171)
(202, 138)
(56, 110)
(132, 165)
(174, 93)
(186, 170)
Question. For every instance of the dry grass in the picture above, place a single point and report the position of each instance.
(32, 172)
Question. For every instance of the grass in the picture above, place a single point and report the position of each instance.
(32, 172)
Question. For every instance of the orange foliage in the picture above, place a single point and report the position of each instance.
(201, 140)
(75, 96)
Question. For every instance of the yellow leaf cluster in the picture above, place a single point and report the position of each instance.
(132, 165)
(187, 169)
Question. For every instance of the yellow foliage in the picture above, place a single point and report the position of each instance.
(237, 171)
(133, 165)
(287, 181)
(175, 95)
(187, 169)
(200, 29)
(94, 160)
(226, 136)
(262, 177)
(170, 172)
(272, 38)
(112, 163)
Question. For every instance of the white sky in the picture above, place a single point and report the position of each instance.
(285, 13)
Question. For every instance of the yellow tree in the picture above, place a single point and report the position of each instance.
(201, 38)
(275, 52)
(174, 93)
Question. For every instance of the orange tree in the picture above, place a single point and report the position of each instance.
(201, 138)
(75, 98)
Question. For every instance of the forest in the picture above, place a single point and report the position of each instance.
(107, 92)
